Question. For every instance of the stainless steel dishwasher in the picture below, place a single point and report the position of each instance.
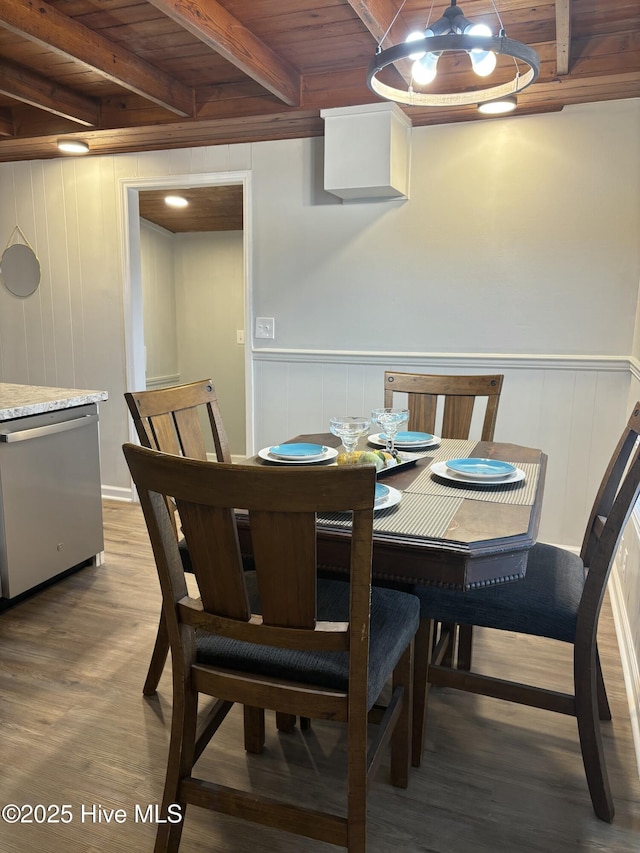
(50, 501)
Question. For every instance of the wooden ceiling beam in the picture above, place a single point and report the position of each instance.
(376, 15)
(26, 86)
(382, 20)
(209, 22)
(45, 25)
(563, 36)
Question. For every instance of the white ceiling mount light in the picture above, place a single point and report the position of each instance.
(73, 146)
(175, 201)
(498, 108)
(453, 33)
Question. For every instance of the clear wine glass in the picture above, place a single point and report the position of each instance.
(349, 429)
(390, 420)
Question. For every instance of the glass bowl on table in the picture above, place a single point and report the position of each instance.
(349, 429)
(390, 420)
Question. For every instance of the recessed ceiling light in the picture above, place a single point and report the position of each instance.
(175, 201)
(73, 146)
(496, 108)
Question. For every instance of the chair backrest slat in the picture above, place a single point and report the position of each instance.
(459, 394)
(284, 551)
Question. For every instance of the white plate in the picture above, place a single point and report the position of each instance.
(330, 453)
(440, 470)
(391, 499)
(381, 442)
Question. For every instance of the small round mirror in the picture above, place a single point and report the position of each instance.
(20, 269)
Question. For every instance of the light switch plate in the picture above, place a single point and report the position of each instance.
(265, 328)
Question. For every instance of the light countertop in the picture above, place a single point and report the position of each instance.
(19, 401)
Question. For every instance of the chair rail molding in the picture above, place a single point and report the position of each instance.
(476, 361)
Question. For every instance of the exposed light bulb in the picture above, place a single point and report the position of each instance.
(478, 30)
(483, 62)
(424, 70)
(415, 36)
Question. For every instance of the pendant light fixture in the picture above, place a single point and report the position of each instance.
(453, 33)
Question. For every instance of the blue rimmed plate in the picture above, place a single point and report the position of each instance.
(422, 439)
(389, 498)
(298, 450)
(481, 469)
(408, 437)
(327, 455)
(382, 492)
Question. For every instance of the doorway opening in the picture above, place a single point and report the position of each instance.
(207, 289)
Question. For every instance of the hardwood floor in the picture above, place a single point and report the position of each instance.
(75, 729)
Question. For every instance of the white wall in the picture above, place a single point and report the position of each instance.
(520, 236)
(210, 309)
(159, 305)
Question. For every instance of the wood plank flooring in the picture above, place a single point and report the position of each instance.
(75, 729)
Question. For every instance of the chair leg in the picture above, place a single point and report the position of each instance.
(465, 647)
(452, 628)
(357, 773)
(587, 712)
(421, 660)
(603, 702)
(158, 659)
(180, 762)
(401, 737)
(285, 722)
(253, 729)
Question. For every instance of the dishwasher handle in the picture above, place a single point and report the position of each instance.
(49, 429)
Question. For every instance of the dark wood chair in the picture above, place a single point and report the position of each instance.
(277, 638)
(560, 598)
(457, 396)
(170, 420)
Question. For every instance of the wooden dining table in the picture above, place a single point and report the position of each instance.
(443, 533)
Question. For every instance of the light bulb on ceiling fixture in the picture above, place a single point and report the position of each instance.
(175, 201)
(424, 70)
(73, 146)
(483, 62)
(415, 36)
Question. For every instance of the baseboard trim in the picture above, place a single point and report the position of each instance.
(630, 663)
(117, 493)
(162, 381)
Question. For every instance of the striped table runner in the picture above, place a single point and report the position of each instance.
(429, 503)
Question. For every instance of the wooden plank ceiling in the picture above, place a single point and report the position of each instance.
(135, 75)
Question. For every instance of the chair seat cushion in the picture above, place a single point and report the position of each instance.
(394, 621)
(545, 603)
